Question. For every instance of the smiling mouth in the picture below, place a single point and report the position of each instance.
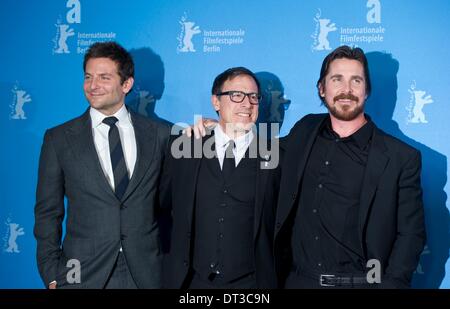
(345, 101)
(346, 98)
(244, 114)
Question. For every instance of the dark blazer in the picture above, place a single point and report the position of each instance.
(97, 222)
(178, 193)
(391, 218)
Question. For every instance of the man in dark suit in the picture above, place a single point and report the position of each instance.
(222, 194)
(106, 163)
(350, 210)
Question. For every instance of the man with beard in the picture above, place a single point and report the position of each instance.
(350, 210)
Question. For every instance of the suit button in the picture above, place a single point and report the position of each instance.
(225, 191)
(122, 237)
(223, 204)
(221, 220)
(212, 265)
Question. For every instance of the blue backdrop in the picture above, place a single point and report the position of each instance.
(180, 46)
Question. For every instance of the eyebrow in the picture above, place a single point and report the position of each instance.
(101, 74)
(352, 77)
(335, 75)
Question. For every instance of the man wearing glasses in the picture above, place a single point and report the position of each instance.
(223, 219)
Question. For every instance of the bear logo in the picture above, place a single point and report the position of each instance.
(189, 31)
(420, 101)
(14, 232)
(325, 28)
(21, 97)
(64, 33)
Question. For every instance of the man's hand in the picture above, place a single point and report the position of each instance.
(200, 127)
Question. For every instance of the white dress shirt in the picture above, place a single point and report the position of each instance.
(241, 144)
(100, 132)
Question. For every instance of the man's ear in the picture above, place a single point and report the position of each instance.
(321, 90)
(127, 85)
(215, 102)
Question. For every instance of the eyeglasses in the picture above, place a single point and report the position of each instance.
(239, 96)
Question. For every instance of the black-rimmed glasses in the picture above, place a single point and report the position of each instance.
(239, 96)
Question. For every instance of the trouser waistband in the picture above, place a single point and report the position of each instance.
(333, 279)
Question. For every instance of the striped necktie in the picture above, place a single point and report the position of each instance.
(119, 167)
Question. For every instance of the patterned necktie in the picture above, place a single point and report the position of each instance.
(117, 158)
(228, 161)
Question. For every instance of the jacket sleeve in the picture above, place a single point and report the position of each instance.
(410, 227)
(49, 211)
(165, 199)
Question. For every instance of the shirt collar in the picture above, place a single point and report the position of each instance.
(241, 142)
(97, 117)
(364, 134)
(361, 137)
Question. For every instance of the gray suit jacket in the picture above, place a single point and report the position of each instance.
(97, 223)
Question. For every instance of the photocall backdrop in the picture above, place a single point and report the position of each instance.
(180, 46)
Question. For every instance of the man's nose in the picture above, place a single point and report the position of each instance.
(348, 87)
(93, 83)
(246, 102)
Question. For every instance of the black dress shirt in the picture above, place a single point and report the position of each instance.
(325, 234)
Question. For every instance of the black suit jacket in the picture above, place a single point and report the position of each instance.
(178, 193)
(391, 218)
(97, 222)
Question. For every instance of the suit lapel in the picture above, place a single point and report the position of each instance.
(297, 153)
(194, 169)
(261, 181)
(303, 159)
(376, 164)
(81, 140)
(145, 133)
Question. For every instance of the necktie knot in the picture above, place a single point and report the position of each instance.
(110, 120)
(229, 150)
(228, 161)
